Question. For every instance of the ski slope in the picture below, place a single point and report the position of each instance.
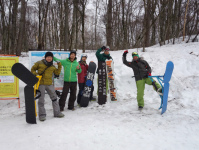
(118, 125)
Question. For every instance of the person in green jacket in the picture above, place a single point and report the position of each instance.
(103, 57)
(71, 68)
(46, 69)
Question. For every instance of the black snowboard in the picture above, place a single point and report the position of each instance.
(102, 82)
(21, 72)
(88, 85)
(30, 105)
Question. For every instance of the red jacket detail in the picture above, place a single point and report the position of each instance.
(83, 74)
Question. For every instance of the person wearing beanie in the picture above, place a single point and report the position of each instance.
(46, 69)
(71, 68)
(103, 57)
(141, 71)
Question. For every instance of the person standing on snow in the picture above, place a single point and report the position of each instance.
(46, 69)
(141, 71)
(103, 57)
(82, 78)
(71, 68)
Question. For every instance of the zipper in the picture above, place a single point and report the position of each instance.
(70, 71)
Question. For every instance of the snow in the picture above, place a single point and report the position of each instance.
(118, 125)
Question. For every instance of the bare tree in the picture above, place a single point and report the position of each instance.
(21, 28)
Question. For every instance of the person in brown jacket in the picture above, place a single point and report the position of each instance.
(46, 68)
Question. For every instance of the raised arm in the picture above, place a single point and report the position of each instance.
(124, 59)
(60, 60)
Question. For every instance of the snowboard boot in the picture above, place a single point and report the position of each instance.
(60, 115)
(159, 91)
(140, 108)
(42, 118)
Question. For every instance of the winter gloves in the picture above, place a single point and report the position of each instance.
(103, 47)
(125, 52)
(109, 57)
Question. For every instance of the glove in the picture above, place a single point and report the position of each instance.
(125, 52)
(109, 57)
(103, 47)
(56, 76)
(149, 74)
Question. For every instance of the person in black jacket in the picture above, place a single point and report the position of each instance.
(141, 71)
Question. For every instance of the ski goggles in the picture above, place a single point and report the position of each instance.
(107, 49)
(135, 54)
(84, 55)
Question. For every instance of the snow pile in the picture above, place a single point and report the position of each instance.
(118, 125)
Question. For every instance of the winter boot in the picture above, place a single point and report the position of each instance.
(42, 118)
(159, 91)
(60, 115)
(140, 108)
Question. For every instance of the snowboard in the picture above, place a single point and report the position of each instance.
(30, 105)
(21, 72)
(102, 75)
(166, 79)
(88, 85)
(111, 80)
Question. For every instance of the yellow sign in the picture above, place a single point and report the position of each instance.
(9, 84)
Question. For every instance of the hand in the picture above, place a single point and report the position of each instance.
(103, 47)
(77, 67)
(56, 76)
(110, 57)
(125, 52)
(149, 74)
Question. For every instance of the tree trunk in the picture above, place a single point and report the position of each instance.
(22, 27)
(147, 23)
(73, 25)
(109, 35)
(96, 8)
(45, 24)
(66, 26)
(124, 26)
(14, 26)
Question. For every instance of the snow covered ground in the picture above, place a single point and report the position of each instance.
(118, 125)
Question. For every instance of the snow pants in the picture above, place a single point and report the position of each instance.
(140, 89)
(73, 90)
(53, 96)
